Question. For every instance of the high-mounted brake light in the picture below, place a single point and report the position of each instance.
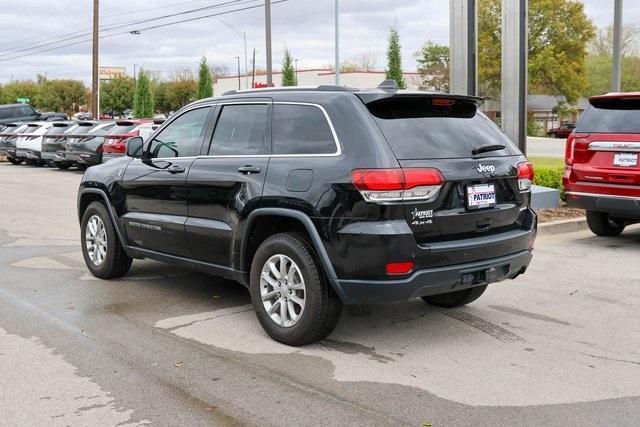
(525, 176)
(442, 102)
(396, 185)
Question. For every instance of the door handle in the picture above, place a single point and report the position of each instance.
(175, 169)
(248, 169)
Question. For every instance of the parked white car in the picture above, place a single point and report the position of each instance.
(29, 143)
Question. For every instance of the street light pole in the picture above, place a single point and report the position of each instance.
(244, 38)
(297, 82)
(617, 47)
(95, 84)
(239, 84)
(337, 19)
(267, 24)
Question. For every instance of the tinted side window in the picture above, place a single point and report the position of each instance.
(181, 137)
(241, 130)
(301, 129)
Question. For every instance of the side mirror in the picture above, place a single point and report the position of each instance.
(135, 147)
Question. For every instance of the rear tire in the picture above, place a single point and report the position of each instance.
(456, 298)
(63, 166)
(603, 224)
(113, 261)
(321, 310)
(14, 161)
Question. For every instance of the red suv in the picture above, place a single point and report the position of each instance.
(603, 169)
(116, 139)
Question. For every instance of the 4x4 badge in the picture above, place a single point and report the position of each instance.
(485, 168)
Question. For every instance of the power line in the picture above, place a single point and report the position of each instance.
(124, 25)
(140, 29)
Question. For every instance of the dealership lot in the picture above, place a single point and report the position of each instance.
(169, 346)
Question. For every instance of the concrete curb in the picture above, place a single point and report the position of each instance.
(562, 226)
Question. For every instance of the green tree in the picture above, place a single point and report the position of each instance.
(117, 94)
(559, 32)
(161, 96)
(600, 69)
(205, 85)
(143, 104)
(21, 89)
(61, 95)
(433, 65)
(182, 89)
(288, 70)
(394, 59)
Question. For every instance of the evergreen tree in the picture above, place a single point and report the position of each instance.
(205, 85)
(143, 104)
(394, 59)
(288, 71)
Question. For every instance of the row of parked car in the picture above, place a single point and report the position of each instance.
(65, 144)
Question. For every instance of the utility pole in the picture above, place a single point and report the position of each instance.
(337, 19)
(95, 84)
(297, 82)
(267, 24)
(617, 47)
(135, 78)
(253, 71)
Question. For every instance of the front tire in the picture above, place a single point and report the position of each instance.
(103, 253)
(63, 166)
(602, 224)
(292, 299)
(456, 298)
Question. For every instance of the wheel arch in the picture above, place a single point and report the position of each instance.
(293, 217)
(90, 195)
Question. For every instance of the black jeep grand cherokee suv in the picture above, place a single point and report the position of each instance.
(315, 198)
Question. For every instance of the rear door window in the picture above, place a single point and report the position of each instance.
(301, 129)
(417, 129)
(611, 116)
(241, 130)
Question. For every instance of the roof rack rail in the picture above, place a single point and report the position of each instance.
(321, 88)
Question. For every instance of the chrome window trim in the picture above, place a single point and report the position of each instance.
(222, 103)
(622, 146)
(578, 193)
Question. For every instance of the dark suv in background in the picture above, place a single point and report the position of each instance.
(315, 198)
(603, 166)
(26, 113)
(84, 144)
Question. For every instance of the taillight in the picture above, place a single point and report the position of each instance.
(395, 185)
(568, 150)
(525, 176)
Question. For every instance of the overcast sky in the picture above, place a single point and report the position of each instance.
(304, 26)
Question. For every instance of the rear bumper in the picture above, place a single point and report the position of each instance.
(435, 281)
(80, 157)
(621, 206)
(27, 154)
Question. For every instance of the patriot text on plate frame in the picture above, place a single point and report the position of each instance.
(625, 160)
(481, 196)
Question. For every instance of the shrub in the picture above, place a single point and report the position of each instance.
(550, 176)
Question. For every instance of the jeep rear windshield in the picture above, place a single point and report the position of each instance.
(611, 116)
(423, 127)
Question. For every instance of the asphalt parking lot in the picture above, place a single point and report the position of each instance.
(164, 345)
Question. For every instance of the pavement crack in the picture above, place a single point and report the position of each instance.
(410, 319)
(173, 328)
(633, 362)
(529, 315)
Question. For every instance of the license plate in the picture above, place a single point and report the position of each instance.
(481, 196)
(625, 160)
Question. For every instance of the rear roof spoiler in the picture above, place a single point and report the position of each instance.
(376, 95)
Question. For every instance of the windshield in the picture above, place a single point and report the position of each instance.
(417, 129)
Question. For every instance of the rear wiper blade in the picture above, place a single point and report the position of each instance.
(487, 148)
